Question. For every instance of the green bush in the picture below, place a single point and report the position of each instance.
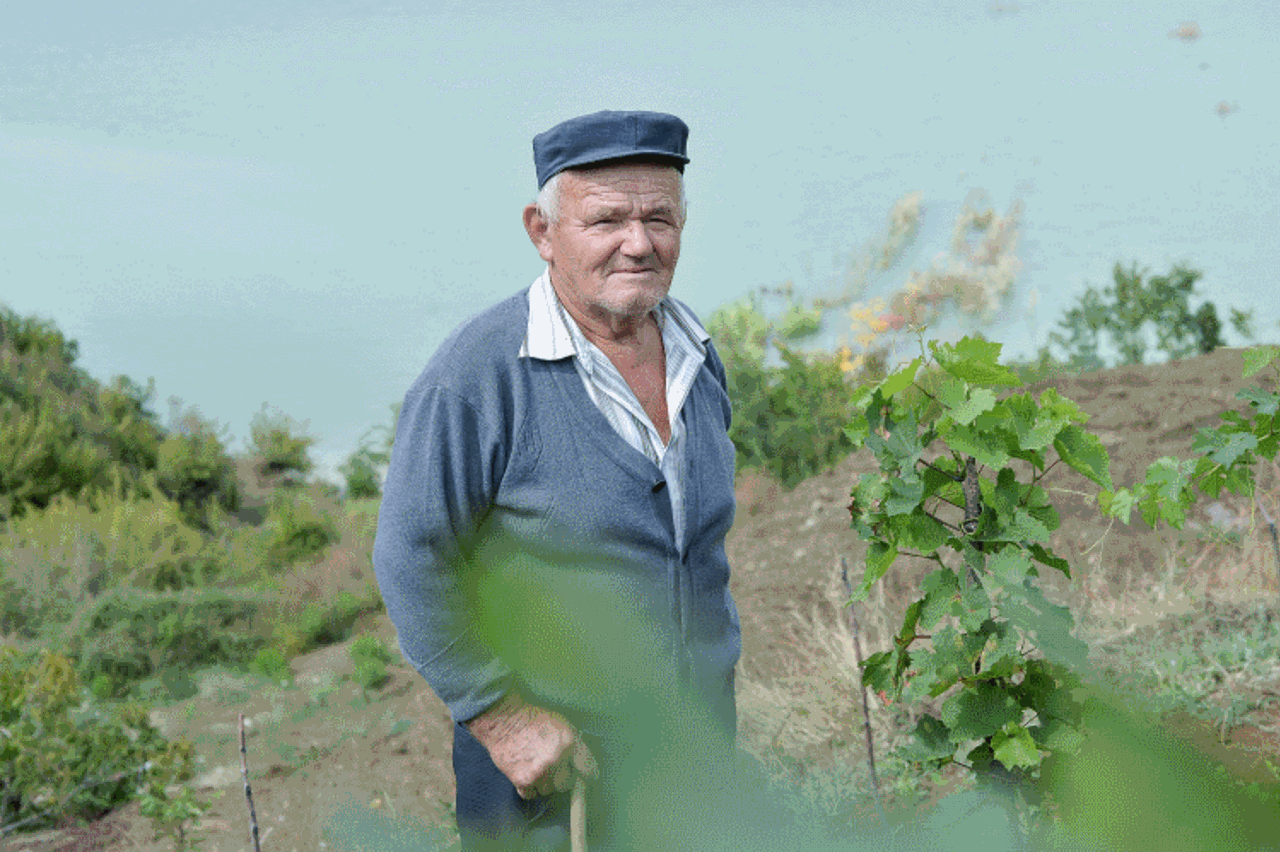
(53, 561)
(129, 634)
(788, 419)
(195, 470)
(272, 663)
(369, 656)
(296, 528)
(280, 447)
(64, 757)
(360, 471)
(321, 623)
(61, 432)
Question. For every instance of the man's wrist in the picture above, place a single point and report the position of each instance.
(511, 712)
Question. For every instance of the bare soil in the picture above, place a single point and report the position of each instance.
(332, 767)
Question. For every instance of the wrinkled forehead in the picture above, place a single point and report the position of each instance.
(652, 183)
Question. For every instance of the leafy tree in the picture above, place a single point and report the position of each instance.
(1136, 308)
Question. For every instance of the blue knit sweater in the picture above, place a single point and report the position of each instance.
(523, 545)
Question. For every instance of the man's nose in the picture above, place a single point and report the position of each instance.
(636, 241)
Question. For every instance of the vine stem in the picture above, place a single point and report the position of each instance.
(866, 709)
(248, 793)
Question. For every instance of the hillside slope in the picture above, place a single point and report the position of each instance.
(332, 765)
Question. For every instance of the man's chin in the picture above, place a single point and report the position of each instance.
(634, 301)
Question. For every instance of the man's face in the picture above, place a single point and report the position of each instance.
(615, 246)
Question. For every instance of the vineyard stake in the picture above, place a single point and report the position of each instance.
(866, 711)
(248, 793)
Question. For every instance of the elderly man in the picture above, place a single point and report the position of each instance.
(550, 544)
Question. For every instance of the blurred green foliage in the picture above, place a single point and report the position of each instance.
(63, 756)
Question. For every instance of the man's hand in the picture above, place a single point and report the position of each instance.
(536, 749)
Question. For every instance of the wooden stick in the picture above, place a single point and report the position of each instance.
(578, 816)
(248, 793)
(866, 710)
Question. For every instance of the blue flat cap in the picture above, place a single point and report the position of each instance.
(609, 135)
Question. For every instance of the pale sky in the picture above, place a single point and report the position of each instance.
(293, 203)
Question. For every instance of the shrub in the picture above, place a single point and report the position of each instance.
(320, 623)
(370, 656)
(63, 757)
(280, 447)
(296, 528)
(195, 470)
(55, 560)
(130, 634)
(271, 662)
(790, 419)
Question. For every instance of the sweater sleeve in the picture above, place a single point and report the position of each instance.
(445, 467)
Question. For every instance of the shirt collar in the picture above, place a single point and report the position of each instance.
(552, 334)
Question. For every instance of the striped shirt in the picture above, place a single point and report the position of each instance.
(552, 334)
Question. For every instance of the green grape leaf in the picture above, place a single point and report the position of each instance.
(1224, 448)
(1058, 736)
(900, 380)
(973, 608)
(858, 431)
(1028, 609)
(943, 665)
(1009, 565)
(905, 494)
(879, 557)
(1085, 454)
(967, 440)
(1257, 357)
(1022, 529)
(878, 670)
(962, 406)
(978, 713)
(974, 361)
(1265, 402)
(919, 531)
(941, 590)
(1014, 748)
(930, 741)
(1045, 556)
(1117, 504)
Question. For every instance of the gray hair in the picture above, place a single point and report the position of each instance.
(548, 200)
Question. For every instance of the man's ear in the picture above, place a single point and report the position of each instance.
(538, 229)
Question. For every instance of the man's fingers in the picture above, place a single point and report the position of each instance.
(562, 776)
(583, 761)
